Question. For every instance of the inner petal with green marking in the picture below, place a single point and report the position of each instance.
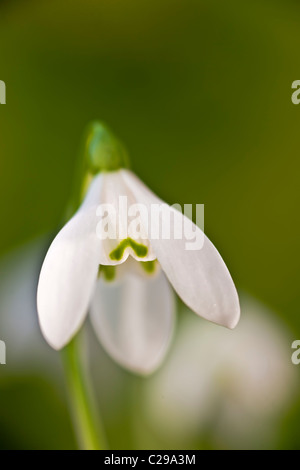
(108, 272)
(149, 266)
(139, 249)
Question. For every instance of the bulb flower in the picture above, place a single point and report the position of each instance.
(113, 260)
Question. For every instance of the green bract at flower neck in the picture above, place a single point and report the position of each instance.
(102, 150)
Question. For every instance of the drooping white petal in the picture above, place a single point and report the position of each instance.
(200, 277)
(69, 272)
(133, 319)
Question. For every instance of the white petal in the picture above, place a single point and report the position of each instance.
(134, 319)
(200, 277)
(114, 224)
(69, 273)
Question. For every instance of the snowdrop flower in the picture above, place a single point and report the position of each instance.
(125, 282)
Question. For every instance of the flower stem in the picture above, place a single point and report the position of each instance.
(87, 428)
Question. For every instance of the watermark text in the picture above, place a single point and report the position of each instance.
(296, 354)
(2, 352)
(2, 92)
(151, 222)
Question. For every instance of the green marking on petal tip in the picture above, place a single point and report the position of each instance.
(149, 266)
(139, 249)
(109, 272)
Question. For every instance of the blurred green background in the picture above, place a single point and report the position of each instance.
(200, 92)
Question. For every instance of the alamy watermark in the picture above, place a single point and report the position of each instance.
(296, 354)
(2, 352)
(2, 101)
(151, 222)
(2, 92)
(296, 94)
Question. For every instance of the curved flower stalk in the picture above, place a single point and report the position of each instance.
(122, 272)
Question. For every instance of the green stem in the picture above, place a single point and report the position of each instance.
(89, 434)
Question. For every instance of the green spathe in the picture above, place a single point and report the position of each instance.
(103, 151)
(100, 151)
